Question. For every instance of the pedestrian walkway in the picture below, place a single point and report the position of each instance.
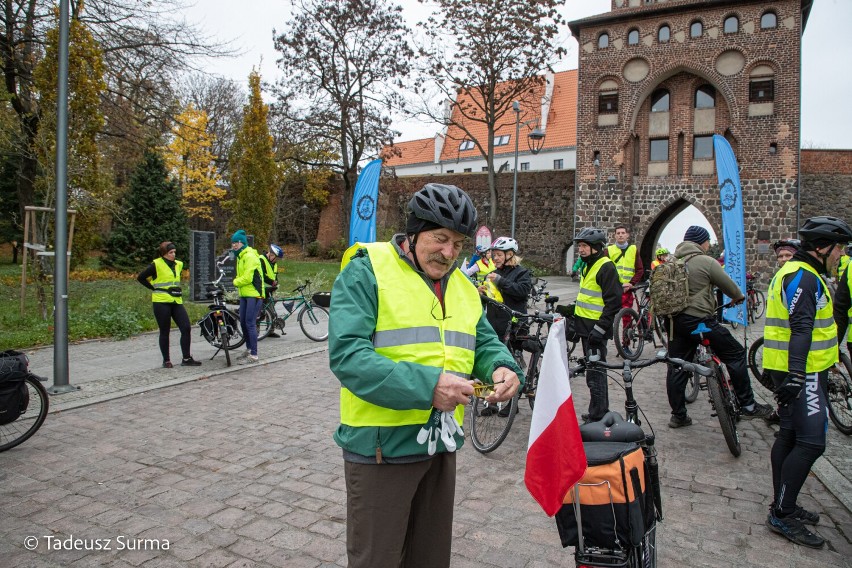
(241, 470)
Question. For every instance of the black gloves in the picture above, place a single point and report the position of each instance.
(789, 389)
(175, 291)
(596, 337)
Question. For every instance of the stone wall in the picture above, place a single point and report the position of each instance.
(543, 219)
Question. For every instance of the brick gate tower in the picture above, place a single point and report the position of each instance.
(656, 80)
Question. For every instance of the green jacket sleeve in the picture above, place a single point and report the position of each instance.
(369, 375)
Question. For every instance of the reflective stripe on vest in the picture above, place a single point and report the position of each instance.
(823, 352)
(590, 303)
(164, 280)
(626, 265)
(411, 327)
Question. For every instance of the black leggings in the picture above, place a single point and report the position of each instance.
(164, 313)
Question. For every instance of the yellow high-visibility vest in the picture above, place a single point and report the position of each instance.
(626, 265)
(590, 302)
(776, 333)
(164, 280)
(412, 327)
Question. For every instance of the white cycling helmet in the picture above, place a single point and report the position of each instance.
(504, 244)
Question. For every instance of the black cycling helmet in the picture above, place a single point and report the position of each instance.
(445, 206)
(824, 230)
(591, 236)
(786, 243)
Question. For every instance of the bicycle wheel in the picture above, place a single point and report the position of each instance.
(839, 390)
(224, 339)
(758, 305)
(31, 420)
(628, 334)
(693, 385)
(265, 322)
(313, 320)
(531, 384)
(487, 428)
(724, 412)
(235, 332)
(755, 365)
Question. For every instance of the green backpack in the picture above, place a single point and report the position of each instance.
(669, 288)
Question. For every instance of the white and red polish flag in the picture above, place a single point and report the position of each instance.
(555, 456)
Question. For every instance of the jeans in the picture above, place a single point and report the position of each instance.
(249, 308)
(683, 345)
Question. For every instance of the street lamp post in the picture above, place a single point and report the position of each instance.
(516, 106)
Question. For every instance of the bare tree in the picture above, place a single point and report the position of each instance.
(344, 61)
(480, 57)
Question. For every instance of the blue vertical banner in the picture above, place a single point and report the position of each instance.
(733, 227)
(362, 220)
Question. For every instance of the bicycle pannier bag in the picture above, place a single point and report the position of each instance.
(614, 496)
(14, 394)
(669, 287)
(570, 323)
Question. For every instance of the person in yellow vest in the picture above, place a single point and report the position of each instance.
(629, 265)
(249, 284)
(598, 302)
(843, 264)
(481, 265)
(269, 268)
(162, 277)
(800, 346)
(406, 334)
(661, 257)
(705, 274)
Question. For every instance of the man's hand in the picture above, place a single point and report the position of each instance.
(596, 337)
(450, 392)
(790, 389)
(506, 384)
(627, 286)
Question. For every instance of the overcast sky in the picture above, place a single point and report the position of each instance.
(826, 57)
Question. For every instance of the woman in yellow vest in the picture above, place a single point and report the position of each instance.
(162, 277)
(481, 264)
(800, 346)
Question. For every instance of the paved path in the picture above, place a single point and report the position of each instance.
(240, 470)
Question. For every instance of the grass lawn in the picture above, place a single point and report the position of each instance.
(111, 304)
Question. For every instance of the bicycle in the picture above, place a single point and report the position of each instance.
(723, 397)
(838, 386)
(612, 428)
(537, 292)
(755, 299)
(33, 411)
(490, 424)
(631, 330)
(220, 326)
(312, 318)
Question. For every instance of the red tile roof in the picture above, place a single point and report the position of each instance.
(420, 151)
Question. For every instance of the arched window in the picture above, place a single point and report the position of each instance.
(732, 25)
(768, 21)
(705, 97)
(608, 97)
(664, 34)
(696, 29)
(633, 37)
(761, 84)
(660, 101)
(603, 41)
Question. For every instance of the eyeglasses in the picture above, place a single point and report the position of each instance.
(437, 304)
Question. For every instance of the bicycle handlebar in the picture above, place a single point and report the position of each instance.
(594, 361)
(538, 316)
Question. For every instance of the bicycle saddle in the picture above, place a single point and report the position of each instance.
(551, 300)
(611, 428)
(700, 329)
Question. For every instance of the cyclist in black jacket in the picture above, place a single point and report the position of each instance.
(512, 280)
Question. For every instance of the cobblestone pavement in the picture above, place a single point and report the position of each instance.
(239, 469)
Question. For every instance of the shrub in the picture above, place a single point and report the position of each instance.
(313, 248)
(336, 249)
(116, 321)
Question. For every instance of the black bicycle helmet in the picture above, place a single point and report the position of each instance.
(446, 206)
(790, 243)
(592, 236)
(823, 230)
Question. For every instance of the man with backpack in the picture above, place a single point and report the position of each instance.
(598, 302)
(703, 273)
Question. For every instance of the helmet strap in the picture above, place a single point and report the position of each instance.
(412, 245)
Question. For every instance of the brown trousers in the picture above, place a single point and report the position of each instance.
(400, 515)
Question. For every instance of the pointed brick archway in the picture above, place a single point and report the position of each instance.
(648, 234)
